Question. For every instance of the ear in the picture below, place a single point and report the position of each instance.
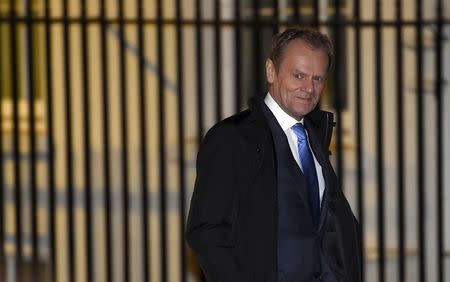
(270, 71)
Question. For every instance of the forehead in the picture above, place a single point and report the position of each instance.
(299, 54)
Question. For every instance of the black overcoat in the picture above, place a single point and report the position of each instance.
(232, 223)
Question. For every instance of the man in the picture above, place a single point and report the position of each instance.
(266, 204)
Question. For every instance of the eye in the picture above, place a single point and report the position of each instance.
(299, 75)
(319, 79)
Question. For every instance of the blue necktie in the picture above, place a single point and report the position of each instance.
(309, 170)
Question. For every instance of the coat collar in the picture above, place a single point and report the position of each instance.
(315, 118)
(321, 122)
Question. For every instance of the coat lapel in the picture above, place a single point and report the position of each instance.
(258, 139)
(327, 170)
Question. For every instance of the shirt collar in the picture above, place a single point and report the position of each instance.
(285, 120)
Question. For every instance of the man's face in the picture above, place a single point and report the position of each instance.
(300, 79)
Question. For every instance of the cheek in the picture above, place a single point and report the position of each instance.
(291, 85)
(319, 88)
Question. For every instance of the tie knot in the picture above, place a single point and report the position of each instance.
(300, 131)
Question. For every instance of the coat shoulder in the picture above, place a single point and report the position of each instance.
(230, 125)
(235, 120)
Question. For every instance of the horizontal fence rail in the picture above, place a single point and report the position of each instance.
(223, 22)
(103, 105)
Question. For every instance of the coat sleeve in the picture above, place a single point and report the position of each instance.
(209, 230)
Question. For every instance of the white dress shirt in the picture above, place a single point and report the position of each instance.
(286, 122)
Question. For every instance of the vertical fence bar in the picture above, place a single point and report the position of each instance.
(296, 12)
(218, 60)
(50, 134)
(200, 70)
(338, 90)
(358, 132)
(32, 138)
(69, 144)
(400, 147)
(439, 142)
(316, 17)
(106, 143)
(181, 161)
(421, 146)
(86, 145)
(199, 48)
(2, 174)
(380, 141)
(257, 47)
(199, 80)
(124, 142)
(237, 57)
(162, 140)
(143, 136)
(16, 138)
(276, 15)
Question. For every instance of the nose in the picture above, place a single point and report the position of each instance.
(308, 85)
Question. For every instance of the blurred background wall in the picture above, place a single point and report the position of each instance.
(103, 105)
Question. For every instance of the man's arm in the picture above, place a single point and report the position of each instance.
(210, 222)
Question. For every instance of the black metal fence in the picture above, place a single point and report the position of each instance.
(103, 104)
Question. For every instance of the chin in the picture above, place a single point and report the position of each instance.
(303, 112)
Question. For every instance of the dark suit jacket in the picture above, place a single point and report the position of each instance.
(232, 224)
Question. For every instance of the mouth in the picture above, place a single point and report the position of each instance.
(303, 98)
